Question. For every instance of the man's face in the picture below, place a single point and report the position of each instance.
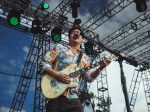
(75, 36)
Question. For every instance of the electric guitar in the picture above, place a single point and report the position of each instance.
(51, 88)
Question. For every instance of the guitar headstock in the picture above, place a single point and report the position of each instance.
(105, 56)
(109, 56)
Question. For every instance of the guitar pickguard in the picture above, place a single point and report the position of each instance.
(52, 88)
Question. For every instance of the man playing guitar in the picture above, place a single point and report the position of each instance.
(53, 64)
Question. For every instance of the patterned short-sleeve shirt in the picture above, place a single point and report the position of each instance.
(60, 57)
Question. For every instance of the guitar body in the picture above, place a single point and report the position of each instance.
(51, 88)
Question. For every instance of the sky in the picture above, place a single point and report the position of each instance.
(14, 46)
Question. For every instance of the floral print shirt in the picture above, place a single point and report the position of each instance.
(60, 57)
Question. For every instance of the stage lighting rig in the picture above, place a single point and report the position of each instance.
(56, 34)
(36, 26)
(141, 5)
(74, 5)
(13, 17)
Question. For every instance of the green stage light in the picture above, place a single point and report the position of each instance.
(14, 21)
(45, 6)
(56, 34)
(57, 38)
(13, 17)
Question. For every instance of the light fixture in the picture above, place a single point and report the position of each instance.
(56, 34)
(13, 17)
(36, 26)
(141, 5)
(44, 6)
(74, 5)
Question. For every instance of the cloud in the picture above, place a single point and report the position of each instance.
(9, 84)
(13, 63)
(26, 49)
(88, 6)
(6, 109)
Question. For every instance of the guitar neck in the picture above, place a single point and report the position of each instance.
(76, 73)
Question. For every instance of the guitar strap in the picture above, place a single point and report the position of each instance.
(79, 57)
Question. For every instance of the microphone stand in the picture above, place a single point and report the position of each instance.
(120, 60)
(123, 84)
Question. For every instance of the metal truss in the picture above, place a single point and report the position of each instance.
(127, 30)
(146, 85)
(27, 17)
(27, 30)
(33, 11)
(25, 79)
(134, 88)
(104, 100)
(38, 48)
(106, 13)
(39, 99)
(49, 19)
(140, 74)
(41, 43)
(135, 44)
(122, 35)
(145, 57)
(142, 52)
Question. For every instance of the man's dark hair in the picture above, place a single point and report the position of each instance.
(76, 27)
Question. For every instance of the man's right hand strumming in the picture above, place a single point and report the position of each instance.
(62, 78)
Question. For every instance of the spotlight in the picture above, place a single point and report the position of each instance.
(13, 17)
(74, 5)
(56, 34)
(141, 5)
(36, 26)
(44, 6)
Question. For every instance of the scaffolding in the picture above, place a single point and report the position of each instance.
(42, 43)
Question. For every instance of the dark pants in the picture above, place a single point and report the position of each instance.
(62, 104)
